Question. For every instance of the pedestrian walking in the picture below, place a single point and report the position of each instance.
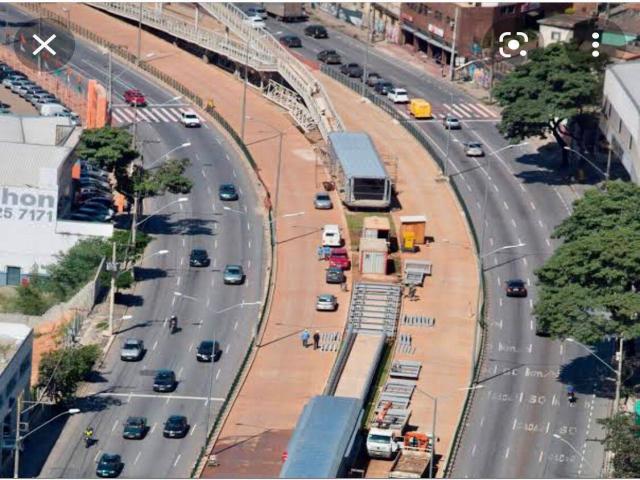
(316, 340)
(305, 337)
(320, 253)
(343, 285)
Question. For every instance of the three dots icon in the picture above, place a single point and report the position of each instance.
(595, 44)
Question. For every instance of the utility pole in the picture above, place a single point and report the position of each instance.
(618, 376)
(277, 192)
(16, 455)
(366, 54)
(139, 32)
(453, 45)
(244, 91)
(113, 268)
(134, 222)
(433, 436)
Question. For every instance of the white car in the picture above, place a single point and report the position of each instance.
(398, 95)
(189, 119)
(331, 236)
(255, 21)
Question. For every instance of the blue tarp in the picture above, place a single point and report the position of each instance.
(322, 438)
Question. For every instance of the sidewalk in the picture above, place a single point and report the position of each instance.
(283, 376)
(449, 295)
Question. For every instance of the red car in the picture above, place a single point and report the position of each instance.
(339, 258)
(135, 98)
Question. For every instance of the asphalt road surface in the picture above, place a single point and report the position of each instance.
(228, 314)
(513, 419)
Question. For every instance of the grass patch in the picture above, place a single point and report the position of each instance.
(378, 382)
(102, 325)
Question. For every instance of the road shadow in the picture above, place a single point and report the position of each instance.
(128, 299)
(135, 326)
(173, 224)
(588, 375)
(149, 273)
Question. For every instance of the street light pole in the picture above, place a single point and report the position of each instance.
(556, 436)
(277, 190)
(244, 91)
(599, 170)
(112, 295)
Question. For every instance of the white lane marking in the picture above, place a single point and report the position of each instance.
(482, 421)
(500, 301)
(219, 141)
(215, 261)
(515, 422)
(528, 282)
(548, 425)
(540, 456)
(158, 396)
(468, 188)
(524, 260)
(530, 349)
(184, 241)
(181, 263)
(478, 205)
(248, 226)
(234, 173)
(95, 459)
(193, 430)
(522, 187)
(548, 242)
(506, 454)
(533, 205)
(153, 428)
(249, 265)
(218, 374)
(521, 396)
(168, 399)
(210, 193)
(473, 450)
(495, 187)
(213, 281)
(114, 425)
(137, 457)
(540, 224)
(561, 349)
(226, 350)
(499, 282)
(191, 347)
(155, 345)
(505, 205)
(181, 207)
(204, 174)
(178, 281)
(180, 372)
(162, 114)
(173, 302)
(530, 303)
(227, 155)
(235, 325)
(249, 244)
(531, 324)
(215, 243)
(208, 302)
(491, 241)
(244, 206)
(513, 222)
(177, 459)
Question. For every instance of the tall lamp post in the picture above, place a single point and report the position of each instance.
(558, 437)
(605, 174)
(435, 399)
(618, 372)
(21, 438)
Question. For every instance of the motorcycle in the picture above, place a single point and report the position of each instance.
(88, 438)
(173, 324)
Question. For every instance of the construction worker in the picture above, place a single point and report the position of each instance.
(316, 340)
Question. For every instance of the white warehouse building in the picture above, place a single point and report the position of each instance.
(35, 189)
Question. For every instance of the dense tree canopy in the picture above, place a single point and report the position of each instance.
(106, 147)
(61, 370)
(558, 83)
(623, 440)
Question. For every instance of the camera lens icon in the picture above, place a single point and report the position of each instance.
(513, 44)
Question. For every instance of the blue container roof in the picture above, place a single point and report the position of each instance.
(357, 155)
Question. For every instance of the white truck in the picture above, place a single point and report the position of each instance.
(411, 462)
(385, 431)
(286, 12)
(331, 236)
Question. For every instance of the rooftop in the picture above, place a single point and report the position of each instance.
(12, 335)
(565, 20)
(34, 130)
(357, 154)
(627, 74)
(321, 438)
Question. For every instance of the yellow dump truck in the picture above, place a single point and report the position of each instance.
(420, 108)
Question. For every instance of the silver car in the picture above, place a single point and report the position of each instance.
(326, 303)
(473, 149)
(233, 275)
(322, 201)
(451, 123)
(132, 349)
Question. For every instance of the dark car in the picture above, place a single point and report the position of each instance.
(164, 381)
(516, 288)
(335, 275)
(316, 31)
(109, 466)
(199, 258)
(228, 192)
(176, 426)
(351, 70)
(373, 78)
(135, 428)
(208, 350)
(330, 57)
(291, 41)
(383, 87)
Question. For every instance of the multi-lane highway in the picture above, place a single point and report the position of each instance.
(212, 310)
(516, 418)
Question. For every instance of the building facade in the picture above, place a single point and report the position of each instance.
(36, 191)
(620, 121)
(16, 345)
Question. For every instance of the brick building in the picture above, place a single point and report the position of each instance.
(430, 27)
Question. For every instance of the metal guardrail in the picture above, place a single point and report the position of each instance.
(420, 136)
(293, 71)
(239, 52)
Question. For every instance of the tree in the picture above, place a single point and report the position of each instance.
(557, 84)
(588, 287)
(106, 147)
(602, 210)
(622, 438)
(61, 370)
(166, 178)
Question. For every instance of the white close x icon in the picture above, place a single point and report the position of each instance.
(44, 44)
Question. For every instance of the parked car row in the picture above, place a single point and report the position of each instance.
(45, 102)
(94, 199)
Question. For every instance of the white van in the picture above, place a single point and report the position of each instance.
(331, 236)
(51, 109)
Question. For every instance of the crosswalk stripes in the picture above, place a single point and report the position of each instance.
(467, 111)
(148, 114)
